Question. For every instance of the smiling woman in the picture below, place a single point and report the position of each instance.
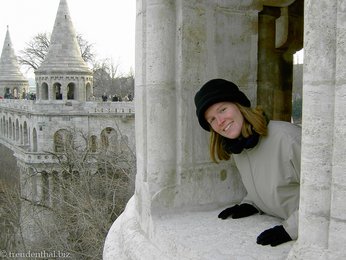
(262, 150)
(108, 25)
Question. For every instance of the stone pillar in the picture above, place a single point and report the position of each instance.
(280, 36)
(155, 102)
(63, 89)
(179, 46)
(322, 216)
(268, 59)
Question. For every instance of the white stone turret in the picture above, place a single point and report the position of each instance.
(12, 81)
(63, 75)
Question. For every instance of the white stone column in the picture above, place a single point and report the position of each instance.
(322, 223)
(337, 228)
(180, 44)
(155, 102)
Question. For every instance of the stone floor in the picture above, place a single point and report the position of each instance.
(202, 236)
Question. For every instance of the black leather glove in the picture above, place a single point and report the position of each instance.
(238, 211)
(273, 236)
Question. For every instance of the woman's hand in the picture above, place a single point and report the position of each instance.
(238, 211)
(273, 236)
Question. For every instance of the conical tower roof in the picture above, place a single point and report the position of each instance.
(9, 67)
(64, 54)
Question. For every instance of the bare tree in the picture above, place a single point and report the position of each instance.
(36, 50)
(87, 49)
(105, 74)
(82, 195)
(10, 228)
(107, 80)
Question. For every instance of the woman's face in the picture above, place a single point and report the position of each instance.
(225, 118)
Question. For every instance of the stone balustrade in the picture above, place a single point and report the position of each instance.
(61, 106)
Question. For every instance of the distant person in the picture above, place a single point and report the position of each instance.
(266, 153)
(126, 98)
(115, 98)
(104, 97)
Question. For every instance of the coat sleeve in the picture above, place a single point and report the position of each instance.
(291, 225)
(247, 200)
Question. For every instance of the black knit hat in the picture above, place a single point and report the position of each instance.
(214, 91)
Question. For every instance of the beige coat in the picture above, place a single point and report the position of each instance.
(271, 173)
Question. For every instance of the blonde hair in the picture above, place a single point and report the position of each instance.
(254, 120)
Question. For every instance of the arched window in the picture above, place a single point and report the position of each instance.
(17, 130)
(34, 140)
(6, 128)
(93, 143)
(109, 139)
(13, 131)
(57, 91)
(44, 91)
(62, 140)
(71, 89)
(10, 128)
(26, 134)
(21, 134)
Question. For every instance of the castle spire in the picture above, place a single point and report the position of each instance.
(64, 75)
(64, 54)
(9, 67)
(12, 81)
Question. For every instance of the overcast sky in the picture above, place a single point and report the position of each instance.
(108, 24)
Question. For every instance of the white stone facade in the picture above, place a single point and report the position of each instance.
(173, 214)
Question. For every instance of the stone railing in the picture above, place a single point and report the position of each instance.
(68, 107)
(17, 104)
(111, 107)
